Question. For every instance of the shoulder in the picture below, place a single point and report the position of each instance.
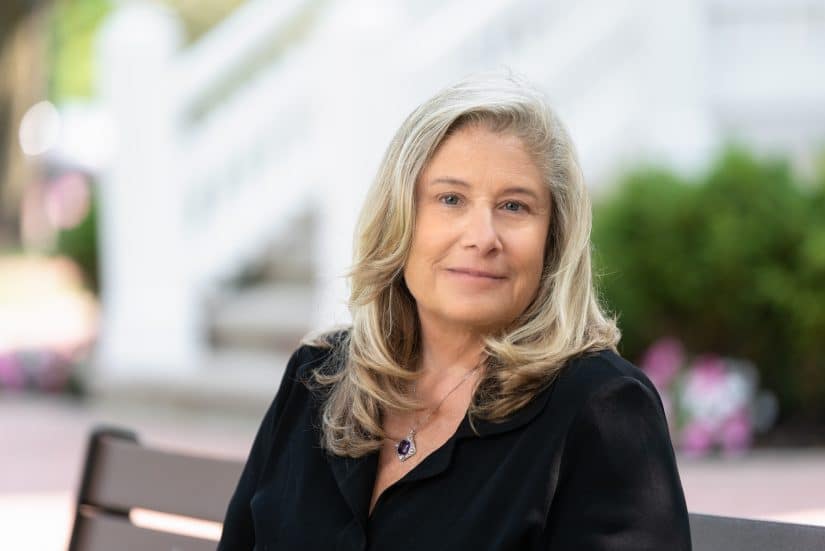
(593, 371)
(617, 472)
(580, 383)
(298, 391)
(325, 353)
(606, 403)
(598, 375)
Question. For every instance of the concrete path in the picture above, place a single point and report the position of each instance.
(42, 441)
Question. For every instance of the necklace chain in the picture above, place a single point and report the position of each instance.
(419, 425)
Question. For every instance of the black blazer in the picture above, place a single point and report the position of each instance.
(587, 465)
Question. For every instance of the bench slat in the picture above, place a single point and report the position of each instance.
(120, 474)
(100, 532)
(128, 475)
(711, 533)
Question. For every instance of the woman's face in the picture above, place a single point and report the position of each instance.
(481, 224)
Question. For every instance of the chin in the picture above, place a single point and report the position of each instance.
(479, 317)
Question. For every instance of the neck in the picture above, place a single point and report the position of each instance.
(448, 351)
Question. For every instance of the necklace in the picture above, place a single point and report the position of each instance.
(405, 448)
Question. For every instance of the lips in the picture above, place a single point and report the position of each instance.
(475, 273)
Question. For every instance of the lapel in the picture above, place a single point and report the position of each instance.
(517, 420)
(355, 477)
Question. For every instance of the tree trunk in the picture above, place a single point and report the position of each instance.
(23, 41)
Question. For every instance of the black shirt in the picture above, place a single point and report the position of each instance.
(587, 465)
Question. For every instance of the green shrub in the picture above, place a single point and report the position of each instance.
(80, 244)
(731, 262)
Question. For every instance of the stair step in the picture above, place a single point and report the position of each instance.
(230, 380)
(271, 317)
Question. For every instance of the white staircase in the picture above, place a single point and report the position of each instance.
(284, 110)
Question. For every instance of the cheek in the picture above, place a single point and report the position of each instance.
(430, 241)
(531, 261)
(419, 261)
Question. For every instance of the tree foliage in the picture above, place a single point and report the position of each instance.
(731, 262)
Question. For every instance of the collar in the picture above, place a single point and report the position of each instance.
(355, 477)
(515, 421)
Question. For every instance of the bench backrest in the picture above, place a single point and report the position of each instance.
(710, 533)
(120, 475)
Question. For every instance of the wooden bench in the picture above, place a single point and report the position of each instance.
(710, 532)
(121, 475)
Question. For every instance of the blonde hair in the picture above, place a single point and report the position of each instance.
(379, 351)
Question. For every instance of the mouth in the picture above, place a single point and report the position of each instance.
(476, 273)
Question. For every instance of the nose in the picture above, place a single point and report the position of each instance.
(480, 231)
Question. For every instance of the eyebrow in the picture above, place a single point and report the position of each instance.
(512, 189)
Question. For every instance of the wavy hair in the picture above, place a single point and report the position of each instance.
(376, 357)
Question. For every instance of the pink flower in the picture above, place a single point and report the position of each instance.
(696, 439)
(11, 372)
(662, 361)
(708, 372)
(735, 434)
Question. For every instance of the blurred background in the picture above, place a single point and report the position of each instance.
(179, 182)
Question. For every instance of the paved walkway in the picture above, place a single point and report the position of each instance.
(42, 442)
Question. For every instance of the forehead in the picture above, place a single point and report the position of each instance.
(478, 155)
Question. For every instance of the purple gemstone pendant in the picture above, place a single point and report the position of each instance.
(406, 448)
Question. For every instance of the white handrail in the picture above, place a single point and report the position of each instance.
(247, 143)
(245, 35)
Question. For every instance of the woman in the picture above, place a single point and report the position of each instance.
(477, 401)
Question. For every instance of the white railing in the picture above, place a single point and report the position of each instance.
(249, 170)
(211, 165)
(222, 142)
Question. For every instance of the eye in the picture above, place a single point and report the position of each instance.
(514, 206)
(450, 199)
